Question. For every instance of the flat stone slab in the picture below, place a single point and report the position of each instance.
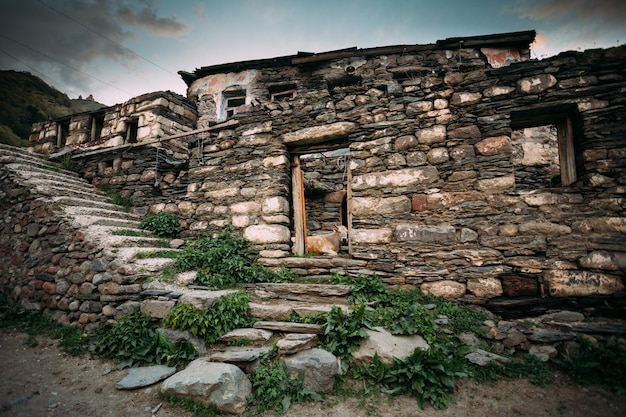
(237, 354)
(203, 299)
(296, 342)
(483, 358)
(288, 327)
(253, 335)
(145, 376)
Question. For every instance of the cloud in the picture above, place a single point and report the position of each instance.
(612, 12)
(149, 19)
(70, 42)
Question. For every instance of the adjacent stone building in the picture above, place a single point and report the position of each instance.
(463, 167)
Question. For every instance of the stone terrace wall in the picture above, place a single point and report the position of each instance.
(437, 201)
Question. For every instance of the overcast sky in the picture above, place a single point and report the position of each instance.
(118, 49)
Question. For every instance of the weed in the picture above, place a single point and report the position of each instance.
(68, 164)
(226, 314)
(193, 406)
(343, 333)
(604, 366)
(120, 200)
(275, 389)
(162, 224)
(134, 341)
(129, 232)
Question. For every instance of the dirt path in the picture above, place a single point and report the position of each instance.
(42, 381)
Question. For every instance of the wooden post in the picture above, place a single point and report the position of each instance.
(299, 208)
(349, 204)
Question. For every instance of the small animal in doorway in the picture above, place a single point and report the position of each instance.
(326, 244)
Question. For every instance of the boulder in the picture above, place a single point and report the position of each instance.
(219, 385)
(319, 366)
(387, 346)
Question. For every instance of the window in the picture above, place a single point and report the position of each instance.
(233, 97)
(63, 131)
(543, 148)
(132, 128)
(282, 92)
(97, 123)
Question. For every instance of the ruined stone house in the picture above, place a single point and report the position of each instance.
(463, 167)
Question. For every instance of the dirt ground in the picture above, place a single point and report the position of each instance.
(42, 381)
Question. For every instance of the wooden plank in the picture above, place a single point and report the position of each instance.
(297, 191)
(567, 158)
(349, 203)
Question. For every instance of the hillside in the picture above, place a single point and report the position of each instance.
(26, 99)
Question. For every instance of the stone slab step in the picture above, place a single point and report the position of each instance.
(289, 327)
(11, 154)
(202, 298)
(252, 335)
(312, 293)
(314, 262)
(23, 166)
(296, 342)
(282, 310)
(41, 172)
(102, 212)
(60, 190)
(153, 264)
(236, 354)
(85, 221)
(82, 202)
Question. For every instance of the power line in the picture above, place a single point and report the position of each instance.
(36, 71)
(63, 63)
(108, 39)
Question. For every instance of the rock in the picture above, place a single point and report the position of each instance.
(286, 327)
(157, 308)
(387, 346)
(176, 243)
(177, 336)
(563, 283)
(296, 342)
(550, 336)
(514, 338)
(203, 299)
(220, 385)
(253, 335)
(144, 376)
(563, 316)
(483, 358)
(446, 289)
(544, 352)
(319, 366)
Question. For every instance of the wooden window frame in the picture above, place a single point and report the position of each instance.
(562, 119)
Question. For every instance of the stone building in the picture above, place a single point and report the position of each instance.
(463, 167)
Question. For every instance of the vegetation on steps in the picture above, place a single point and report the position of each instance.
(428, 375)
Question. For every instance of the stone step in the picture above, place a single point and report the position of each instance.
(127, 254)
(102, 212)
(152, 264)
(289, 327)
(82, 202)
(59, 190)
(311, 293)
(86, 220)
(11, 154)
(280, 310)
(116, 241)
(30, 171)
(40, 166)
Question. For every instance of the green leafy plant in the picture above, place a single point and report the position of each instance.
(275, 389)
(195, 407)
(224, 261)
(591, 365)
(225, 314)
(363, 288)
(68, 164)
(120, 200)
(162, 224)
(343, 332)
(134, 341)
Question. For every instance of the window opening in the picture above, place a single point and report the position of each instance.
(282, 92)
(544, 154)
(321, 196)
(233, 97)
(63, 131)
(132, 128)
(97, 123)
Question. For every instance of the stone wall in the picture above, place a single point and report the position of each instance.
(444, 194)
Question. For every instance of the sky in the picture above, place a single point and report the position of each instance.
(119, 49)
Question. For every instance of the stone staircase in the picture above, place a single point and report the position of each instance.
(112, 229)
